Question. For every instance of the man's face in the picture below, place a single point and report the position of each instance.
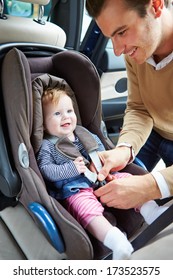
(130, 34)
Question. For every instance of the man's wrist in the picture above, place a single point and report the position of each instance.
(132, 153)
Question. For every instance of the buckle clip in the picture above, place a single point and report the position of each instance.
(99, 184)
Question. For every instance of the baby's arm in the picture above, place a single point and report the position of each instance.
(55, 169)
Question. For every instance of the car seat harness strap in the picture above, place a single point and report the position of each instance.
(65, 146)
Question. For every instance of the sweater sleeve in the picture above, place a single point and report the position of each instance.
(136, 116)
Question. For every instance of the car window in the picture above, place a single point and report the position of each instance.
(24, 9)
(17, 8)
(86, 22)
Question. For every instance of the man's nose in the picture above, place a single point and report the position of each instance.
(118, 48)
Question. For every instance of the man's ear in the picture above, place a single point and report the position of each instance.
(157, 6)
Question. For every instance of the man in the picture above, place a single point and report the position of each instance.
(143, 32)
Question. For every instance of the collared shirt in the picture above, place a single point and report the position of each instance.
(162, 63)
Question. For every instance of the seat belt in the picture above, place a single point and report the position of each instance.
(164, 220)
(98, 165)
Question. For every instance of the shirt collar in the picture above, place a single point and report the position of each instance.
(162, 63)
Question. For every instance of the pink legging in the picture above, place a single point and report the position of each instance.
(84, 205)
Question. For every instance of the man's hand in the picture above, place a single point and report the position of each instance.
(129, 192)
(113, 160)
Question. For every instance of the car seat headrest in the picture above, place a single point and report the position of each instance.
(15, 28)
(39, 84)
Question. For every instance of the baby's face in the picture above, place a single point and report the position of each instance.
(60, 119)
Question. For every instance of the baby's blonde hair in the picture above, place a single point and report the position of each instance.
(52, 95)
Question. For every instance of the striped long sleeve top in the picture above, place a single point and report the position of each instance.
(54, 165)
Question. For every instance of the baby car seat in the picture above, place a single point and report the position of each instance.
(25, 73)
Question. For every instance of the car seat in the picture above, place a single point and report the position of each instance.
(23, 132)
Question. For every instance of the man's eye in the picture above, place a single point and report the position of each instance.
(121, 33)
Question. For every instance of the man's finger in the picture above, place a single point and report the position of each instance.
(100, 191)
(104, 172)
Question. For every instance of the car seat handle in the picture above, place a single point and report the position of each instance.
(47, 225)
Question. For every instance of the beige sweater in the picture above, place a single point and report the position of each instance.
(149, 105)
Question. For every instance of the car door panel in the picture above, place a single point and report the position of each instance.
(113, 91)
(113, 113)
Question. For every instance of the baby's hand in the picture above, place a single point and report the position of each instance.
(92, 167)
(80, 165)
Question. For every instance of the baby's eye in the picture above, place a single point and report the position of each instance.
(70, 110)
(57, 113)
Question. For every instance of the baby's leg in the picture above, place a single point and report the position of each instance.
(86, 208)
(118, 175)
(111, 237)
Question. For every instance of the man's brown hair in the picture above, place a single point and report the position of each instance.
(94, 7)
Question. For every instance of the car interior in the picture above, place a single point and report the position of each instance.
(34, 54)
